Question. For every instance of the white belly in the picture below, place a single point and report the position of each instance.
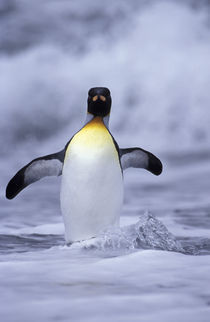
(91, 190)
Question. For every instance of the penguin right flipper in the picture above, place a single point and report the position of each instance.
(139, 158)
(49, 165)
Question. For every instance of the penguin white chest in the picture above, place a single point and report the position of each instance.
(91, 188)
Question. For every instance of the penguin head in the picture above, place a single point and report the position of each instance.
(99, 101)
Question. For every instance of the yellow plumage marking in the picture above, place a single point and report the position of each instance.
(102, 98)
(95, 98)
(94, 135)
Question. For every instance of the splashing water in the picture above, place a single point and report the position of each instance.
(147, 233)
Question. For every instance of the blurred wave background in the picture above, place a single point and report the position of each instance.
(153, 55)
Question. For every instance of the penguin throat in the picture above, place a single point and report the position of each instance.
(91, 117)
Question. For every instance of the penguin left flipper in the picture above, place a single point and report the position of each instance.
(49, 165)
(139, 158)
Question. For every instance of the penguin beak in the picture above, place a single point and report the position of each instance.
(101, 97)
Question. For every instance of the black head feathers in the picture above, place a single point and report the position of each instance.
(99, 101)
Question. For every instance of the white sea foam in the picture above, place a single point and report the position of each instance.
(61, 284)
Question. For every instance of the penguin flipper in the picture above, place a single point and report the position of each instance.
(49, 165)
(139, 158)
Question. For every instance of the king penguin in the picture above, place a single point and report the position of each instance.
(91, 165)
